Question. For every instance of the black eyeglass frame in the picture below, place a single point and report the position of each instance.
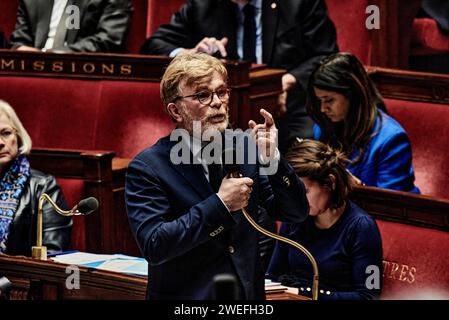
(211, 98)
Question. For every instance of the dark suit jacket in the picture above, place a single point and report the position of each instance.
(186, 232)
(56, 228)
(103, 26)
(297, 34)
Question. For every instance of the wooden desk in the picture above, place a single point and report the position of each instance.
(45, 280)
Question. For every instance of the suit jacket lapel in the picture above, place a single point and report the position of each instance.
(269, 27)
(228, 23)
(192, 173)
(44, 9)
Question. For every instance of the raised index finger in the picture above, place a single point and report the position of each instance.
(268, 118)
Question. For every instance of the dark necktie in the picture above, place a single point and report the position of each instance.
(249, 33)
(61, 30)
(215, 175)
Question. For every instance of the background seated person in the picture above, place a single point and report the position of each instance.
(342, 237)
(20, 189)
(346, 108)
(52, 26)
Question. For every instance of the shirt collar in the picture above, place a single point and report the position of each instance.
(256, 3)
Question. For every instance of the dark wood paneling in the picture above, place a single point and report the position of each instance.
(410, 85)
(403, 207)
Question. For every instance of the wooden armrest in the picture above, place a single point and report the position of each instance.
(403, 207)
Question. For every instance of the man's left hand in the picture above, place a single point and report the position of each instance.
(265, 135)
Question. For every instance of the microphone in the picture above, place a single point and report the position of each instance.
(84, 207)
(5, 285)
(226, 287)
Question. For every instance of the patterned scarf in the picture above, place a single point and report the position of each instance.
(11, 188)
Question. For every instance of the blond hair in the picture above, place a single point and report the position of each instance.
(24, 138)
(188, 69)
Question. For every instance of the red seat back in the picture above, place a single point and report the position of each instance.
(138, 29)
(416, 262)
(73, 191)
(159, 12)
(427, 127)
(8, 14)
(352, 35)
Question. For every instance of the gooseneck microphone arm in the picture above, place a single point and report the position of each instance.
(235, 174)
(84, 207)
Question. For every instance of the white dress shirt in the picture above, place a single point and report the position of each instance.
(56, 14)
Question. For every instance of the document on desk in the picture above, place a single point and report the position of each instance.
(138, 267)
(80, 258)
(111, 262)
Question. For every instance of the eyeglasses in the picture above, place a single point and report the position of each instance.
(7, 134)
(205, 97)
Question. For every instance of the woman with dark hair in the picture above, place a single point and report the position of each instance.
(343, 239)
(348, 114)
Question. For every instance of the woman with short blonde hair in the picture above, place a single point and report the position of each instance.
(20, 189)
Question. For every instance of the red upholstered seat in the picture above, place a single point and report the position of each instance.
(159, 12)
(8, 14)
(73, 190)
(428, 130)
(416, 262)
(349, 18)
(121, 116)
(427, 39)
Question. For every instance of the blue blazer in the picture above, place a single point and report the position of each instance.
(187, 234)
(387, 162)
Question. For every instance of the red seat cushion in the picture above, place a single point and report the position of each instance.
(159, 12)
(427, 127)
(427, 39)
(349, 18)
(138, 29)
(73, 191)
(416, 262)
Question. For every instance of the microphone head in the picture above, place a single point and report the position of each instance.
(87, 206)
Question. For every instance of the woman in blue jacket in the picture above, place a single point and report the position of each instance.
(348, 114)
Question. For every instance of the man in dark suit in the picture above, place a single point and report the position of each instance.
(45, 25)
(290, 34)
(185, 209)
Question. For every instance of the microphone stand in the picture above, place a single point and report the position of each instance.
(39, 251)
(290, 242)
